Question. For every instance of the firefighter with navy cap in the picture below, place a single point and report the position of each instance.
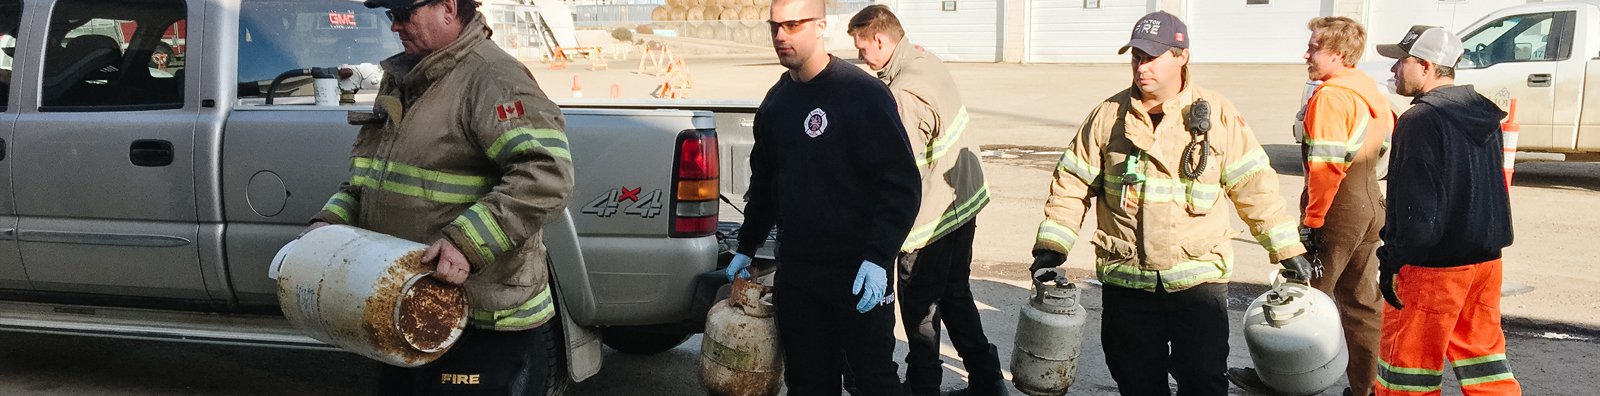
(1156, 161)
(464, 152)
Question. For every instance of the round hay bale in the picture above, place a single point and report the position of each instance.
(710, 12)
(761, 3)
(678, 14)
(678, 3)
(729, 14)
(696, 13)
(705, 31)
(722, 31)
(739, 34)
(750, 13)
(661, 14)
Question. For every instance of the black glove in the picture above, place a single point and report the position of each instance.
(1301, 269)
(1389, 265)
(1312, 239)
(1046, 259)
(1386, 285)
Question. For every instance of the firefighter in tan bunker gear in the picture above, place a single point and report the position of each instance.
(463, 151)
(1156, 160)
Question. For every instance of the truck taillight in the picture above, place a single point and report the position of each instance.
(694, 185)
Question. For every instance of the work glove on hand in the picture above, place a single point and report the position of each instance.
(1312, 239)
(1388, 266)
(739, 267)
(1046, 259)
(870, 283)
(1303, 270)
(1386, 285)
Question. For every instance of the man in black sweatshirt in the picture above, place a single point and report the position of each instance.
(1448, 217)
(832, 164)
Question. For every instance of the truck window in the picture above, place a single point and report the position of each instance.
(1519, 38)
(10, 19)
(281, 35)
(114, 55)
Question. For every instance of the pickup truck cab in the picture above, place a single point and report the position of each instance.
(149, 182)
(1546, 56)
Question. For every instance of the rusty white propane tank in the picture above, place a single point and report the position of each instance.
(1049, 338)
(368, 293)
(739, 354)
(1295, 338)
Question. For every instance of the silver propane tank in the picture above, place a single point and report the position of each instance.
(1295, 338)
(739, 354)
(1049, 337)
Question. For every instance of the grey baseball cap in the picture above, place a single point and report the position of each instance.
(391, 4)
(1157, 32)
(1429, 43)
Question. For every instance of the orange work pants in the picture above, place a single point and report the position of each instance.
(1450, 313)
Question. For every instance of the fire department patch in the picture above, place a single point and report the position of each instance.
(509, 111)
(816, 122)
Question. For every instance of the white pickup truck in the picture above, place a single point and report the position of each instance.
(1546, 56)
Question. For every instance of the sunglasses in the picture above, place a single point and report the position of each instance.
(791, 27)
(403, 14)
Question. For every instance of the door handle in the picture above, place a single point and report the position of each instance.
(150, 153)
(1539, 80)
(2, 149)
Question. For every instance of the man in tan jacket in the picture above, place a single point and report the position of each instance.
(464, 152)
(936, 259)
(1156, 160)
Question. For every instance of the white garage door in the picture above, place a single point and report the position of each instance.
(1392, 18)
(968, 34)
(1250, 31)
(1065, 31)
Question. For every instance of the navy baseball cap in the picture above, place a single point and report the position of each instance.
(1157, 32)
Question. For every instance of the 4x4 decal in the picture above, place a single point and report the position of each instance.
(639, 203)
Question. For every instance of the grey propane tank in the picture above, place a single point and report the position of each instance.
(1049, 338)
(1295, 338)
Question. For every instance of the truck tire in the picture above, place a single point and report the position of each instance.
(637, 341)
(549, 362)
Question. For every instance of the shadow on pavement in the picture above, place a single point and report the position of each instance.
(1285, 159)
(1566, 176)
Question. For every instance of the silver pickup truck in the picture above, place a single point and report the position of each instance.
(149, 183)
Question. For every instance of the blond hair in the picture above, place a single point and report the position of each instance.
(1339, 35)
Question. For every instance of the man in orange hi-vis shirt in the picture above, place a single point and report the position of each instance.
(1347, 125)
(1347, 122)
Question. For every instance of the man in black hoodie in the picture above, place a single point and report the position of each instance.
(1448, 217)
(832, 164)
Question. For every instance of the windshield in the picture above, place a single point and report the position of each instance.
(278, 35)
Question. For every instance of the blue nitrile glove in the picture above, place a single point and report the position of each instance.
(739, 267)
(870, 284)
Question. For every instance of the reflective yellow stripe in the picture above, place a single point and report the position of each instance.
(536, 310)
(418, 182)
(1280, 237)
(1252, 162)
(341, 204)
(1077, 166)
(480, 226)
(947, 138)
(1482, 369)
(1408, 379)
(959, 215)
(520, 140)
(1180, 276)
(1338, 152)
(1202, 195)
(1062, 236)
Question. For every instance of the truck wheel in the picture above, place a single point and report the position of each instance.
(547, 363)
(641, 341)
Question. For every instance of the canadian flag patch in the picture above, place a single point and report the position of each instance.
(509, 111)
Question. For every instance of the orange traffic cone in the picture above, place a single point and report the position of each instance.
(1508, 135)
(577, 88)
(616, 91)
